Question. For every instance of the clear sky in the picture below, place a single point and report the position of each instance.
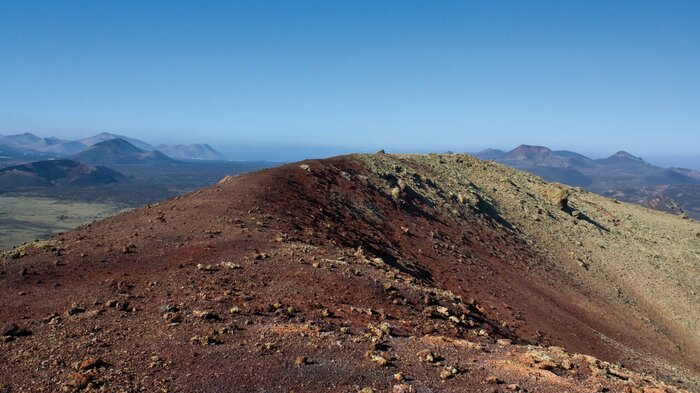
(332, 76)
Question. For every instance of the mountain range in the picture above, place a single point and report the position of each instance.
(622, 175)
(89, 166)
(361, 273)
(30, 145)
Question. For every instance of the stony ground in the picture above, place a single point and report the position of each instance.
(360, 273)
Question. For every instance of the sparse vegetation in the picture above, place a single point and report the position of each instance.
(24, 219)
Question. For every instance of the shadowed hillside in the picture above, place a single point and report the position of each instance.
(120, 152)
(56, 172)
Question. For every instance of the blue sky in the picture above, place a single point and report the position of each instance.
(324, 77)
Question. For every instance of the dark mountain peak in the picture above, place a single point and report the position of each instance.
(24, 138)
(529, 156)
(118, 145)
(625, 156)
(623, 160)
(570, 154)
(490, 154)
(120, 151)
(101, 137)
(56, 172)
(532, 148)
(490, 150)
(106, 136)
(39, 165)
(534, 154)
(529, 151)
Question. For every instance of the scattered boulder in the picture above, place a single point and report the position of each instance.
(206, 315)
(206, 268)
(468, 199)
(77, 381)
(441, 312)
(426, 356)
(230, 265)
(128, 248)
(379, 359)
(52, 319)
(557, 197)
(543, 361)
(504, 342)
(90, 363)
(449, 372)
(170, 308)
(301, 361)
(13, 330)
(75, 309)
(403, 388)
(173, 318)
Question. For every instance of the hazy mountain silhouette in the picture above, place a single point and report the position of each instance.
(191, 152)
(27, 144)
(490, 154)
(30, 144)
(105, 136)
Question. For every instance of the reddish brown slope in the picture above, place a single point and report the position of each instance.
(226, 288)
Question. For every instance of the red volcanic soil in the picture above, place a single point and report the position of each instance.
(309, 278)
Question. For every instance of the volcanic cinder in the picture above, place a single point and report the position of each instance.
(361, 273)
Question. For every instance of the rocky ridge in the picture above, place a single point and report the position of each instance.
(360, 273)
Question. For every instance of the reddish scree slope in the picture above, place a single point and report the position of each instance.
(226, 288)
